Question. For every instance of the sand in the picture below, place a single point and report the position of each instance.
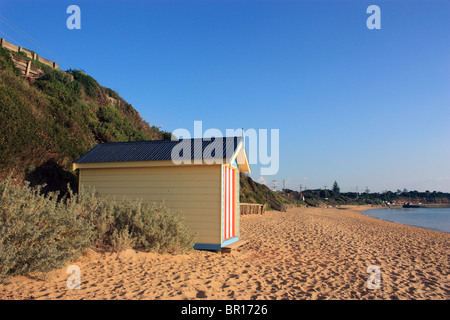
(305, 253)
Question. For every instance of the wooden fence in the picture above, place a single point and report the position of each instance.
(285, 207)
(251, 208)
(29, 54)
(26, 68)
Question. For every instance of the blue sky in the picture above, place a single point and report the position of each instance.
(362, 107)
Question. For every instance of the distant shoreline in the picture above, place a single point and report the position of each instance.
(424, 205)
(414, 217)
(395, 206)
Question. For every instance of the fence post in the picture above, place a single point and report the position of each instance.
(27, 70)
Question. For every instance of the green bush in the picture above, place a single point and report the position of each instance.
(57, 83)
(132, 223)
(111, 122)
(122, 240)
(91, 86)
(38, 233)
(97, 211)
(6, 62)
(152, 226)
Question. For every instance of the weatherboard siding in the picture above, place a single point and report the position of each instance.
(195, 191)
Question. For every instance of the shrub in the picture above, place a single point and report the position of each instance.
(97, 211)
(152, 226)
(132, 223)
(122, 240)
(91, 86)
(7, 63)
(57, 83)
(38, 233)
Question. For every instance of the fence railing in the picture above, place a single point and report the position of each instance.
(29, 54)
(251, 208)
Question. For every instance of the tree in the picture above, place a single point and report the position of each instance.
(324, 194)
(336, 188)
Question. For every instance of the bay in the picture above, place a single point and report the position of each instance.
(430, 218)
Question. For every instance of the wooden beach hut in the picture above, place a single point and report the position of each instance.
(197, 177)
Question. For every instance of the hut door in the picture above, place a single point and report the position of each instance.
(230, 203)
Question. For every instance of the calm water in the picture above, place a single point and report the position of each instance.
(429, 218)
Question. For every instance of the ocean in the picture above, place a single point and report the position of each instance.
(429, 218)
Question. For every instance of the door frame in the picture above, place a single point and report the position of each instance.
(226, 236)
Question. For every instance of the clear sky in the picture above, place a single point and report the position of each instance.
(362, 107)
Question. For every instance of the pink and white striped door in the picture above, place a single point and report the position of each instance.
(230, 203)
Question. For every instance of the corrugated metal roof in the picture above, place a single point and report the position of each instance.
(162, 150)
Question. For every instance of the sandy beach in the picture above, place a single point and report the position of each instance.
(305, 253)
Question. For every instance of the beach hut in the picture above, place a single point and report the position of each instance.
(197, 177)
